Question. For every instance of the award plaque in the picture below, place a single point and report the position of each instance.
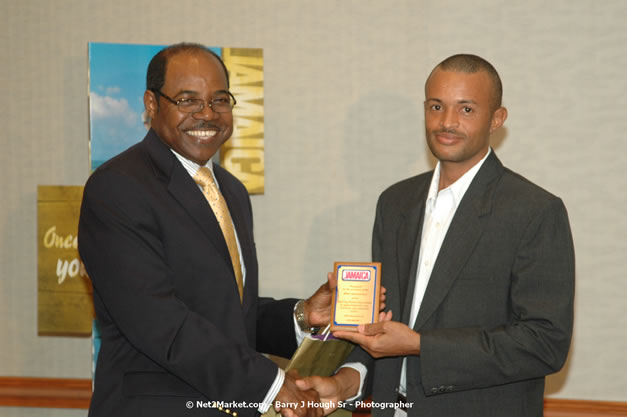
(356, 297)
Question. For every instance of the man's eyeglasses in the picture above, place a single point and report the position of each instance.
(221, 102)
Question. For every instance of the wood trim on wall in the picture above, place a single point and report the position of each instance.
(554, 407)
(45, 392)
(76, 393)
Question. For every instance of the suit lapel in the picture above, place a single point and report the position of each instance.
(238, 215)
(462, 237)
(460, 240)
(184, 190)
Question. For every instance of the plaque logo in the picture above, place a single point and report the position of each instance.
(355, 275)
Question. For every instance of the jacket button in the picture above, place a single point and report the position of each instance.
(434, 390)
(449, 388)
(442, 389)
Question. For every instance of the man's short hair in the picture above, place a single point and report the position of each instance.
(471, 64)
(155, 76)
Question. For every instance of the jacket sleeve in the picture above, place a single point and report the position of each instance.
(273, 314)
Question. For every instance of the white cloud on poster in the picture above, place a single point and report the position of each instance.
(114, 126)
(109, 108)
(112, 90)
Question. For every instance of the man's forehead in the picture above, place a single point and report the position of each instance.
(466, 84)
(193, 63)
(458, 76)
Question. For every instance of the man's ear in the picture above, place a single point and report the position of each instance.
(498, 118)
(151, 104)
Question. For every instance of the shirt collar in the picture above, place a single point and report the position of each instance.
(192, 167)
(459, 187)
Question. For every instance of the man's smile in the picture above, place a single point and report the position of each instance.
(201, 133)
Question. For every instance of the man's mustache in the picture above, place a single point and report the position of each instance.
(448, 131)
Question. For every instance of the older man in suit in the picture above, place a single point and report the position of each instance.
(479, 267)
(167, 239)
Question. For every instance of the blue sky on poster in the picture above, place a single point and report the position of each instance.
(117, 81)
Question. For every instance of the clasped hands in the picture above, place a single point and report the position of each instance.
(323, 395)
(382, 339)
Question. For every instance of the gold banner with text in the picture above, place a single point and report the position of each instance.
(64, 291)
(243, 154)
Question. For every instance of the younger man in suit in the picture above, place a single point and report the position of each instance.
(478, 263)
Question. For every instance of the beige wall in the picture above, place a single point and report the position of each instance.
(343, 120)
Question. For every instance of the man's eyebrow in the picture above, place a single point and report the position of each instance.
(194, 92)
(463, 101)
(190, 92)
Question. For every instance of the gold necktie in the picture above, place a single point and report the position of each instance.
(209, 188)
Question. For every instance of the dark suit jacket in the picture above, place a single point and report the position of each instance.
(173, 329)
(497, 314)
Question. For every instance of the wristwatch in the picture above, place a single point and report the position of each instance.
(301, 320)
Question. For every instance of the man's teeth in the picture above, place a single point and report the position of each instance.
(200, 133)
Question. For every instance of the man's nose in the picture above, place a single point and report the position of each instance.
(449, 119)
(206, 113)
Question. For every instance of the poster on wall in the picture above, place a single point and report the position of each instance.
(64, 291)
(117, 81)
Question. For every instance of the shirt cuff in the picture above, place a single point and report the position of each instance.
(280, 377)
(359, 367)
(273, 391)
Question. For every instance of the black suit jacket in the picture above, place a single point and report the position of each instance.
(173, 329)
(497, 314)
